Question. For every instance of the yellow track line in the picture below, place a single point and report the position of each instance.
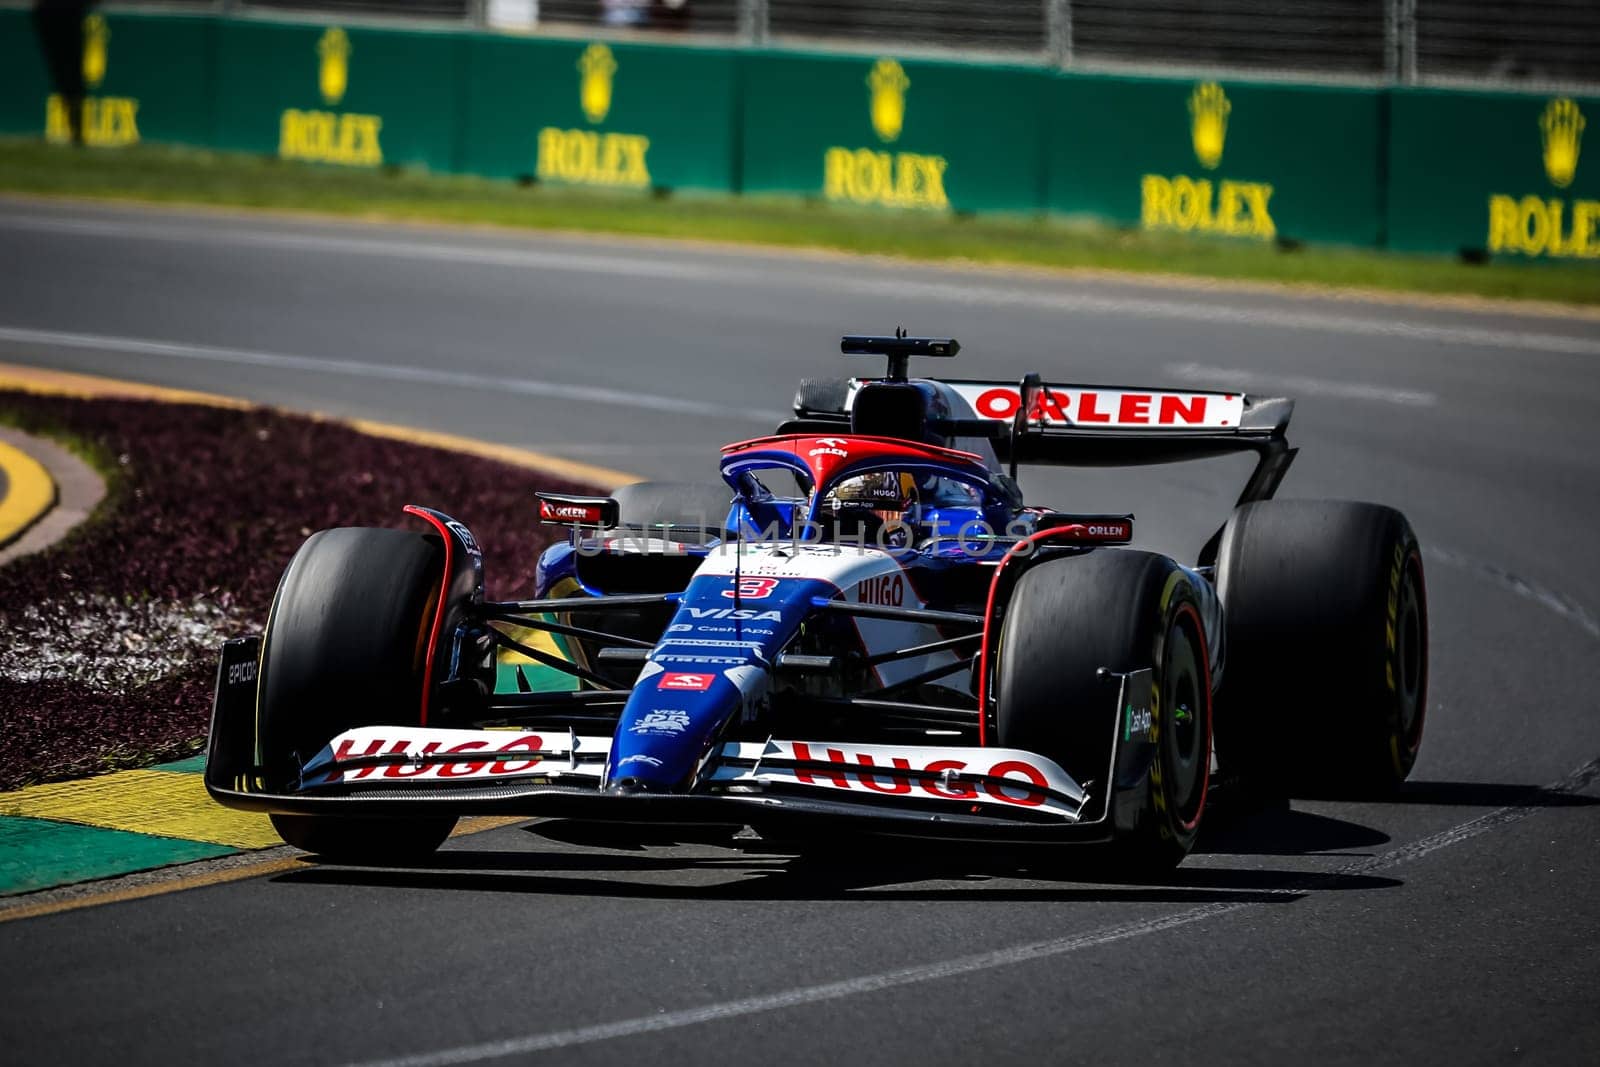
(44, 382)
(151, 889)
(158, 803)
(604, 477)
(30, 492)
(209, 878)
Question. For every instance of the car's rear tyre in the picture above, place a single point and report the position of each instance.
(346, 645)
(1124, 611)
(1325, 687)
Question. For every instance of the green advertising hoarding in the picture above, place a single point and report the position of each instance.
(1258, 162)
(354, 96)
(884, 132)
(611, 115)
(25, 81)
(1426, 170)
(107, 80)
(1500, 173)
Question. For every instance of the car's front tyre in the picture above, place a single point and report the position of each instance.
(1122, 611)
(346, 645)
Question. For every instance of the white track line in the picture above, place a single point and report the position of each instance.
(1565, 607)
(386, 372)
(685, 266)
(1296, 385)
(984, 296)
(963, 965)
(486, 255)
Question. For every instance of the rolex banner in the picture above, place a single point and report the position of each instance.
(1516, 176)
(1496, 175)
(601, 114)
(343, 96)
(106, 80)
(1248, 161)
(25, 82)
(880, 131)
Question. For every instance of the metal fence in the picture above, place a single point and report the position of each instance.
(1501, 42)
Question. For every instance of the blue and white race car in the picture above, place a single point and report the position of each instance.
(863, 628)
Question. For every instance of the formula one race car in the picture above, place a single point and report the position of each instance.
(864, 629)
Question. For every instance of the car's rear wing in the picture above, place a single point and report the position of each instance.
(1034, 422)
(1031, 421)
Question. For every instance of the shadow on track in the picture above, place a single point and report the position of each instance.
(598, 859)
(1488, 795)
(748, 869)
(1285, 831)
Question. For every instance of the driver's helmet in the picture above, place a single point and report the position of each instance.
(889, 495)
(898, 503)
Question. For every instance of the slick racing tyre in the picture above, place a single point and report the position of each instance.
(694, 511)
(1124, 611)
(1325, 688)
(346, 646)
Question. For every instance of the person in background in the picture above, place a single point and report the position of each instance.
(670, 14)
(58, 26)
(625, 12)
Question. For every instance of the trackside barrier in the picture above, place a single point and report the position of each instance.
(1477, 173)
(356, 97)
(1250, 161)
(107, 80)
(25, 81)
(884, 132)
(609, 115)
(1498, 173)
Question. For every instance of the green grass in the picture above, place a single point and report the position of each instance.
(187, 176)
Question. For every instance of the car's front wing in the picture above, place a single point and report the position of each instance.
(942, 791)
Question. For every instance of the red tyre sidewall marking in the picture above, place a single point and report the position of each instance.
(1205, 684)
(1075, 530)
(438, 615)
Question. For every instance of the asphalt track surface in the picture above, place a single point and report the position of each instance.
(1459, 924)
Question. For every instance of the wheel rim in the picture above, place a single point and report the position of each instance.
(1184, 734)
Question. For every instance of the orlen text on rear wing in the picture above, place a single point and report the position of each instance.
(1102, 426)
(1094, 425)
